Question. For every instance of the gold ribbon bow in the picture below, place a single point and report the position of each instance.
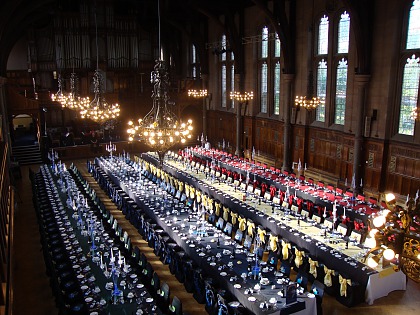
(251, 226)
(198, 196)
(192, 192)
(234, 216)
(273, 242)
(285, 249)
(210, 206)
(217, 205)
(299, 257)
(327, 278)
(312, 267)
(187, 190)
(181, 186)
(343, 285)
(242, 223)
(261, 234)
(226, 213)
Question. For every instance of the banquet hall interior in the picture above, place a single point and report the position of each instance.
(209, 157)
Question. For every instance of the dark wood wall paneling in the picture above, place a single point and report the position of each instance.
(403, 169)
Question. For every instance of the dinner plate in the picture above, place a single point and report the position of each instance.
(234, 304)
(202, 254)
(192, 245)
(89, 299)
(132, 276)
(223, 274)
(149, 300)
(252, 298)
(140, 285)
(237, 286)
(84, 287)
(213, 264)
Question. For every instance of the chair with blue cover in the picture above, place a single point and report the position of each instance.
(285, 268)
(318, 288)
(211, 302)
(222, 308)
(302, 280)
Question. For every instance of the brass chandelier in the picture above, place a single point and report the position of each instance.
(72, 100)
(160, 129)
(59, 96)
(99, 110)
(308, 103)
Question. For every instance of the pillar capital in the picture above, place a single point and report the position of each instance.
(361, 79)
(288, 77)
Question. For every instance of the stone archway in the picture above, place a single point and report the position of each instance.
(24, 130)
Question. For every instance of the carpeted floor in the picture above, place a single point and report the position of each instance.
(33, 296)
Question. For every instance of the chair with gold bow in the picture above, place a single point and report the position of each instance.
(350, 292)
(331, 281)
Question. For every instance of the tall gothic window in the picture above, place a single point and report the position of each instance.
(224, 87)
(340, 92)
(332, 50)
(321, 89)
(277, 88)
(409, 95)
(195, 67)
(264, 71)
(411, 74)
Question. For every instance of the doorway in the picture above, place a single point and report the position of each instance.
(23, 130)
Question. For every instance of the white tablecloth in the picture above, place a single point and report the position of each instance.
(382, 283)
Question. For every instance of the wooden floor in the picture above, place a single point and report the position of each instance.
(33, 296)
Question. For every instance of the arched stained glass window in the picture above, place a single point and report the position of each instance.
(413, 34)
(277, 47)
(264, 87)
(224, 44)
(340, 93)
(264, 42)
(323, 36)
(232, 81)
(224, 89)
(277, 89)
(321, 90)
(344, 33)
(409, 96)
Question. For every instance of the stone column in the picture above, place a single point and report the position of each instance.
(238, 129)
(361, 81)
(287, 149)
(204, 78)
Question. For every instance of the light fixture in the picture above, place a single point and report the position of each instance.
(99, 110)
(72, 100)
(197, 93)
(241, 97)
(395, 236)
(160, 129)
(59, 96)
(308, 103)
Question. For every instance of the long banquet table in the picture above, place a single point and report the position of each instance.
(184, 228)
(96, 281)
(355, 208)
(378, 282)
